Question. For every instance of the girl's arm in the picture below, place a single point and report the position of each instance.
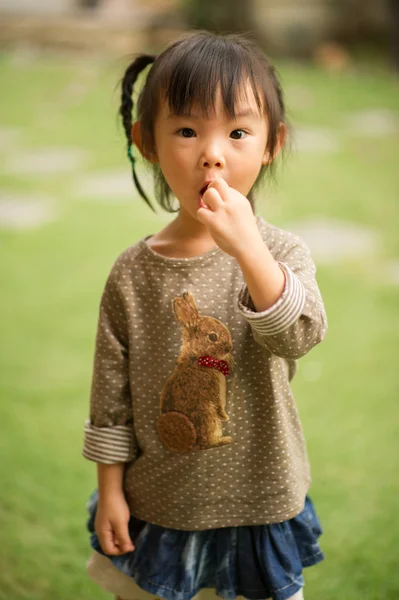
(112, 517)
(110, 480)
(264, 279)
(296, 321)
(109, 433)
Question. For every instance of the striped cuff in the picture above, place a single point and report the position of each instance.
(108, 445)
(284, 312)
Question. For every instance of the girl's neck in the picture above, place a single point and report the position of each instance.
(183, 237)
(186, 230)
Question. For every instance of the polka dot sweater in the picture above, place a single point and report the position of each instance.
(260, 473)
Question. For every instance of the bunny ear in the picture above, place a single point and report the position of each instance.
(186, 310)
(189, 298)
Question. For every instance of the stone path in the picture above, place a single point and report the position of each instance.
(331, 241)
(373, 123)
(299, 96)
(118, 186)
(46, 161)
(307, 139)
(392, 272)
(25, 212)
(9, 138)
(107, 186)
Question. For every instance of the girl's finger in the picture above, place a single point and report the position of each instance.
(123, 538)
(212, 198)
(221, 186)
(107, 542)
(205, 215)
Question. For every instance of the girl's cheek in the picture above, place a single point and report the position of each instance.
(180, 155)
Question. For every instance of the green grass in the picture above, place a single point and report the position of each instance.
(51, 280)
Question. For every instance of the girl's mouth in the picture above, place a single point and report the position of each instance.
(201, 193)
(203, 189)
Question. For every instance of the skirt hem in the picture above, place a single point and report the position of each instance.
(166, 593)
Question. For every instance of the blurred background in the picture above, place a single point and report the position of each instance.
(68, 208)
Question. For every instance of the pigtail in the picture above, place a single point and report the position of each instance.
(126, 108)
(279, 91)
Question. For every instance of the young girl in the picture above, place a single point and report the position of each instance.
(203, 473)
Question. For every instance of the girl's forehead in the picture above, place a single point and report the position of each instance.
(245, 105)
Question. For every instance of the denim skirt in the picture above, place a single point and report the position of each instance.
(254, 561)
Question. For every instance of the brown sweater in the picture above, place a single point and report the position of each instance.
(191, 386)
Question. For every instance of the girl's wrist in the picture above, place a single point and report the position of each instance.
(110, 491)
(110, 480)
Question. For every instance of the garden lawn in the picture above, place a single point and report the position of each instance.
(51, 280)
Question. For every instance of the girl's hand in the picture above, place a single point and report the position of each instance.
(229, 218)
(111, 525)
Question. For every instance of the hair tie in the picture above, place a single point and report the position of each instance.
(130, 154)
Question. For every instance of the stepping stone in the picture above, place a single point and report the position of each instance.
(392, 272)
(25, 54)
(9, 137)
(315, 140)
(46, 161)
(118, 186)
(300, 96)
(331, 241)
(24, 212)
(373, 123)
(110, 186)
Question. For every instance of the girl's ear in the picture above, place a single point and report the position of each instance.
(138, 141)
(282, 134)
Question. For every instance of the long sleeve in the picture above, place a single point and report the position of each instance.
(297, 321)
(109, 434)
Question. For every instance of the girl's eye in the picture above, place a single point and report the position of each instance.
(186, 132)
(238, 134)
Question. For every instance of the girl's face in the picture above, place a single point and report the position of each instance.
(192, 150)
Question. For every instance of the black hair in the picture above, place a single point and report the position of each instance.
(190, 71)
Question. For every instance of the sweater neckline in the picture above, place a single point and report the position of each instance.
(180, 261)
(174, 260)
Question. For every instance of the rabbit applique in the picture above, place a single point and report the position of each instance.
(193, 398)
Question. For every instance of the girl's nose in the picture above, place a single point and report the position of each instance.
(212, 158)
(213, 163)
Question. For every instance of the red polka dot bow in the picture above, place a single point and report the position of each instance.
(214, 363)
